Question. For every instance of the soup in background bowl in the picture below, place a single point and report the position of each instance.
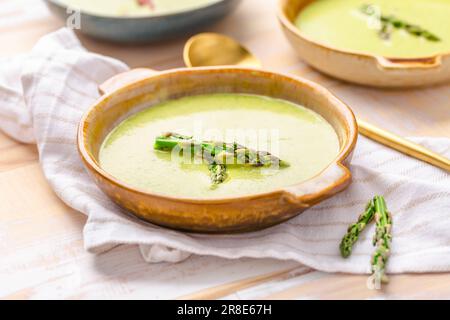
(388, 28)
(127, 8)
(381, 43)
(141, 21)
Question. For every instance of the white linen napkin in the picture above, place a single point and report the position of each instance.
(43, 95)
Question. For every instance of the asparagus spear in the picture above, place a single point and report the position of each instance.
(355, 229)
(217, 154)
(218, 173)
(388, 23)
(382, 239)
(169, 140)
(220, 151)
(376, 209)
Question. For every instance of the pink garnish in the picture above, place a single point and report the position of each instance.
(148, 3)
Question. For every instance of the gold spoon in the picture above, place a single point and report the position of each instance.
(212, 49)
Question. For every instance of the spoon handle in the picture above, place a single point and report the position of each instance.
(405, 146)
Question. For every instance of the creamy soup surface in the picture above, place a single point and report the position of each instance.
(134, 7)
(343, 25)
(292, 132)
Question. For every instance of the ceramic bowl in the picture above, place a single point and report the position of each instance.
(361, 68)
(147, 28)
(223, 215)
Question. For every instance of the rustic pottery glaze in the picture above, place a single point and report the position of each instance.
(126, 96)
(361, 68)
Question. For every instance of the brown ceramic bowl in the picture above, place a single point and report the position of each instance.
(357, 67)
(232, 214)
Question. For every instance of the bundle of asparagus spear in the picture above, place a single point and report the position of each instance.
(218, 155)
(375, 210)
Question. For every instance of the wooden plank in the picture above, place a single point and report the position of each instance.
(354, 287)
(241, 284)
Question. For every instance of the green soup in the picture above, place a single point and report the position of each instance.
(301, 137)
(134, 7)
(343, 24)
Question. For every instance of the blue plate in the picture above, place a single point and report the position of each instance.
(147, 28)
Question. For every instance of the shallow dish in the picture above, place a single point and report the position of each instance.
(217, 215)
(357, 67)
(147, 28)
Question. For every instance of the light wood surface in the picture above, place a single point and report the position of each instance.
(41, 245)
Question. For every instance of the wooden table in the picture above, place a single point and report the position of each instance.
(41, 245)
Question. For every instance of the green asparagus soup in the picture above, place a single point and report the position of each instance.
(390, 28)
(291, 132)
(134, 7)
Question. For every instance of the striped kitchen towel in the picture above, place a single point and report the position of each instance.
(43, 95)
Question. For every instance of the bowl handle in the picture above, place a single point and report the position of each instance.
(332, 180)
(412, 63)
(124, 78)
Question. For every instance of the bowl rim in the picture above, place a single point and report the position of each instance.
(141, 17)
(345, 150)
(416, 62)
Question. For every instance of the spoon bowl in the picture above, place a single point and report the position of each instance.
(213, 49)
